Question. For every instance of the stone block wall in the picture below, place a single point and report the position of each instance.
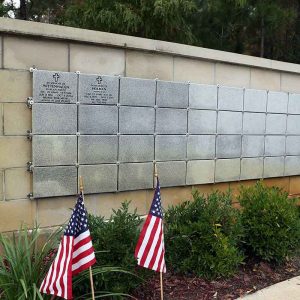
(27, 44)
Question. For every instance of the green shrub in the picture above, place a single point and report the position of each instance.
(202, 236)
(23, 264)
(114, 241)
(271, 222)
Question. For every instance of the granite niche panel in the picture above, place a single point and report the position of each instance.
(111, 129)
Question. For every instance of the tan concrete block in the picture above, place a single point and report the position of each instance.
(15, 213)
(54, 211)
(232, 75)
(236, 186)
(265, 79)
(193, 70)
(1, 184)
(290, 82)
(149, 65)
(17, 119)
(1, 51)
(14, 151)
(281, 182)
(17, 183)
(16, 86)
(97, 59)
(1, 119)
(23, 53)
(294, 185)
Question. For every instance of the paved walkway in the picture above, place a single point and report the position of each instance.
(285, 290)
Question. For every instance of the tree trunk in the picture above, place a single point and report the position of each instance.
(23, 11)
(262, 38)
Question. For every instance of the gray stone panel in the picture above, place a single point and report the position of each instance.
(171, 121)
(277, 102)
(200, 171)
(136, 148)
(252, 168)
(293, 145)
(275, 145)
(54, 87)
(170, 147)
(252, 145)
(171, 173)
(54, 181)
(203, 96)
(292, 166)
(230, 98)
(227, 170)
(202, 121)
(254, 123)
(229, 122)
(228, 146)
(172, 94)
(255, 100)
(98, 89)
(135, 176)
(273, 167)
(52, 150)
(99, 178)
(97, 149)
(98, 119)
(276, 124)
(137, 120)
(54, 118)
(140, 92)
(201, 147)
(294, 104)
(293, 124)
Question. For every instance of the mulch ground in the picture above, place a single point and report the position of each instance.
(251, 277)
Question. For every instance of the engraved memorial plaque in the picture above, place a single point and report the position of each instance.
(229, 122)
(277, 102)
(293, 145)
(230, 98)
(135, 176)
(140, 92)
(275, 145)
(201, 147)
(99, 178)
(51, 150)
(252, 145)
(228, 146)
(54, 87)
(276, 124)
(172, 94)
(171, 121)
(54, 181)
(98, 89)
(97, 149)
(292, 166)
(254, 123)
(170, 147)
(293, 124)
(98, 119)
(202, 121)
(227, 170)
(273, 167)
(294, 104)
(255, 100)
(171, 173)
(136, 148)
(203, 96)
(54, 118)
(252, 168)
(200, 171)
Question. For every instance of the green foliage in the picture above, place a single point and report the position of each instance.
(24, 264)
(202, 236)
(114, 241)
(271, 222)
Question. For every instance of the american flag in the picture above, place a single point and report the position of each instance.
(150, 249)
(75, 254)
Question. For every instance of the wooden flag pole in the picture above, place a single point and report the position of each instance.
(90, 268)
(155, 176)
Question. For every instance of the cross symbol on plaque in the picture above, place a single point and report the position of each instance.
(56, 76)
(99, 79)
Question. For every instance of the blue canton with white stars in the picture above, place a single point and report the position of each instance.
(156, 209)
(78, 222)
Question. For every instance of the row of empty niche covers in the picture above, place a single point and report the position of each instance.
(49, 150)
(62, 180)
(64, 87)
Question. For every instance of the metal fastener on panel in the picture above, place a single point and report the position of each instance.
(77, 133)
(29, 102)
(155, 106)
(77, 165)
(118, 163)
(29, 135)
(30, 196)
(29, 166)
(32, 69)
(77, 72)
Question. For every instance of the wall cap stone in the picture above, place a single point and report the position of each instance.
(57, 32)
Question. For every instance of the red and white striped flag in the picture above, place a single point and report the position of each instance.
(150, 249)
(75, 254)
